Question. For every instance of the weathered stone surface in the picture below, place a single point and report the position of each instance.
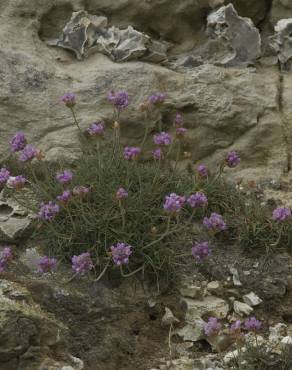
(252, 299)
(30, 339)
(235, 40)
(86, 33)
(281, 42)
(14, 221)
(223, 109)
(192, 332)
(242, 309)
(209, 306)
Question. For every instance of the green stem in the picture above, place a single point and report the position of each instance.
(164, 235)
(103, 272)
(122, 215)
(75, 120)
(131, 273)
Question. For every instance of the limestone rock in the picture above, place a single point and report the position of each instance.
(223, 109)
(86, 33)
(209, 306)
(214, 287)
(281, 42)
(15, 223)
(168, 318)
(192, 332)
(242, 309)
(192, 291)
(30, 339)
(252, 299)
(235, 41)
(220, 342)
(235, 276)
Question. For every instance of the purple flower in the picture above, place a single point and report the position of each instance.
(197, 200)
(28, 153)
(162, 139)
(157, 98)
(96, 129)
(48, 211)
(252, 324)
(131, 153)
(4, 175)
(236, 326)
(202, 170)
(211, 327)
(17, 182)
(232, 159)
(157, 154)
(81, 191)
(281, 214)
(64, 177)
(119, 99)
(5, 258)
(121, 194)
(215, 222)
(46, 264)
(121, 253)
(18, 142)
(82, 263)
(180, 131)
(69, 99)
(65, 196)
(201, 250)
(178, 121)
(174, 203)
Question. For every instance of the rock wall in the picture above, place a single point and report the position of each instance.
(224, 108)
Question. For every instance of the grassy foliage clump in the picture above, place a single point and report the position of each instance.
(97, 220)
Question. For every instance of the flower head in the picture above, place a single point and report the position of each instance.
(68, 99)
(215, 222)
(180, 131)
(197, 200)
(236, 326)
(121, 253)
(65, 196)
(4, 175)
(252, 324)
(17, 182)
(64, 177)
(201, 250)
(211, 327)
(28, 153)
(131, 153)
(178, 121)
(121, 194)
(174, 203)
(82, 263)
(281, 214)
(119, 99)
(162, 139)
(202, 171)
(96, 129)
(46, 264)
(18, 142)
(232, 159)
(48, 211)
(157, 154)
(5, 258)
(81, 191)
(157, 98)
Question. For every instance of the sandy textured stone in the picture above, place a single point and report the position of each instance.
(30, 339)
(223, 109)
(209, 306)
